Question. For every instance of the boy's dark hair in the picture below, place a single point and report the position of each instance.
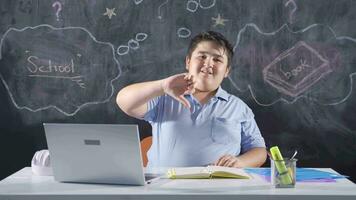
(215, 37)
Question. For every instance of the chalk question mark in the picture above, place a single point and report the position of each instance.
(294, 5)
(58, 6)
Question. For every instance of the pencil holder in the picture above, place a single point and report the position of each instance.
(283, 173)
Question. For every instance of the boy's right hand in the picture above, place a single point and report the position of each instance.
(177, 86)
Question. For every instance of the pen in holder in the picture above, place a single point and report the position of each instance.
(282, 169)
(283, 172)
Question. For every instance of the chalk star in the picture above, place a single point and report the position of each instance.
(219, 20)
(110, 12)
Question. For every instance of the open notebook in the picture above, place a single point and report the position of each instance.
(206, 173)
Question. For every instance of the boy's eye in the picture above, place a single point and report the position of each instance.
(202, 56)
(217, 60)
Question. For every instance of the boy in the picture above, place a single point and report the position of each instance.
(194, 121)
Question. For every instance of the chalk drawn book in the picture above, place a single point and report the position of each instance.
(207, 173)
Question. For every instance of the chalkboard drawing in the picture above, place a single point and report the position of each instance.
(193, 5)
(183, 32)
(206, 4)
(159, 9)
(137, 1)
(141, 37)
(58, 7)
(219, 20)
(294, 5)
(296, 69)
(286, 65)
(66, 69)
(122, 50)
(25, 6)
(63, 71)
(110, 12)
(131, 44)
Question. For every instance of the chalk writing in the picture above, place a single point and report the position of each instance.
(294, 5)
(292, 80)
(58, 7)
(65, 74)
(43, 70)
(294, 71)
(33, 68)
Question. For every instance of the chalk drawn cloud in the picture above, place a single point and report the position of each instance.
(66, 69)
(286, 65)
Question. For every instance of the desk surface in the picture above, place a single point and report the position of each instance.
(24, 185)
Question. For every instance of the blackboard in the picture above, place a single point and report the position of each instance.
(294, 65)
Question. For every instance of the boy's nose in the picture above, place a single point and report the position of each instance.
(208, 63)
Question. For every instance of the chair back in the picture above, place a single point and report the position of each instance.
(145, 146)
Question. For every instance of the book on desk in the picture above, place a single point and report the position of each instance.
(206, 173)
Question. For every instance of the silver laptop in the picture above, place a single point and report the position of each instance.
(96, 153)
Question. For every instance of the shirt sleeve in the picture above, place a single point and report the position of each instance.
(250, 134)
(152, 109)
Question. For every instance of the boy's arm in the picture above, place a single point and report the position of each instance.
(255, 157)
(133, 98)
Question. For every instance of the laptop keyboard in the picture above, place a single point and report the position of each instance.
(149, 177)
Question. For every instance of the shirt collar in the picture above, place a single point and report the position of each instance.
(222, 94)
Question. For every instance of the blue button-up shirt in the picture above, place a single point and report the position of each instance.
(201, 135)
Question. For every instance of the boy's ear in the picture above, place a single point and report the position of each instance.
(187, 62)
(227, 71)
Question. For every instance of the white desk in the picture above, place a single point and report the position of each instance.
(25, 185)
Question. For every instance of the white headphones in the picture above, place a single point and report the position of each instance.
(41, 164)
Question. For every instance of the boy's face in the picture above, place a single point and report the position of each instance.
(208, 65)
